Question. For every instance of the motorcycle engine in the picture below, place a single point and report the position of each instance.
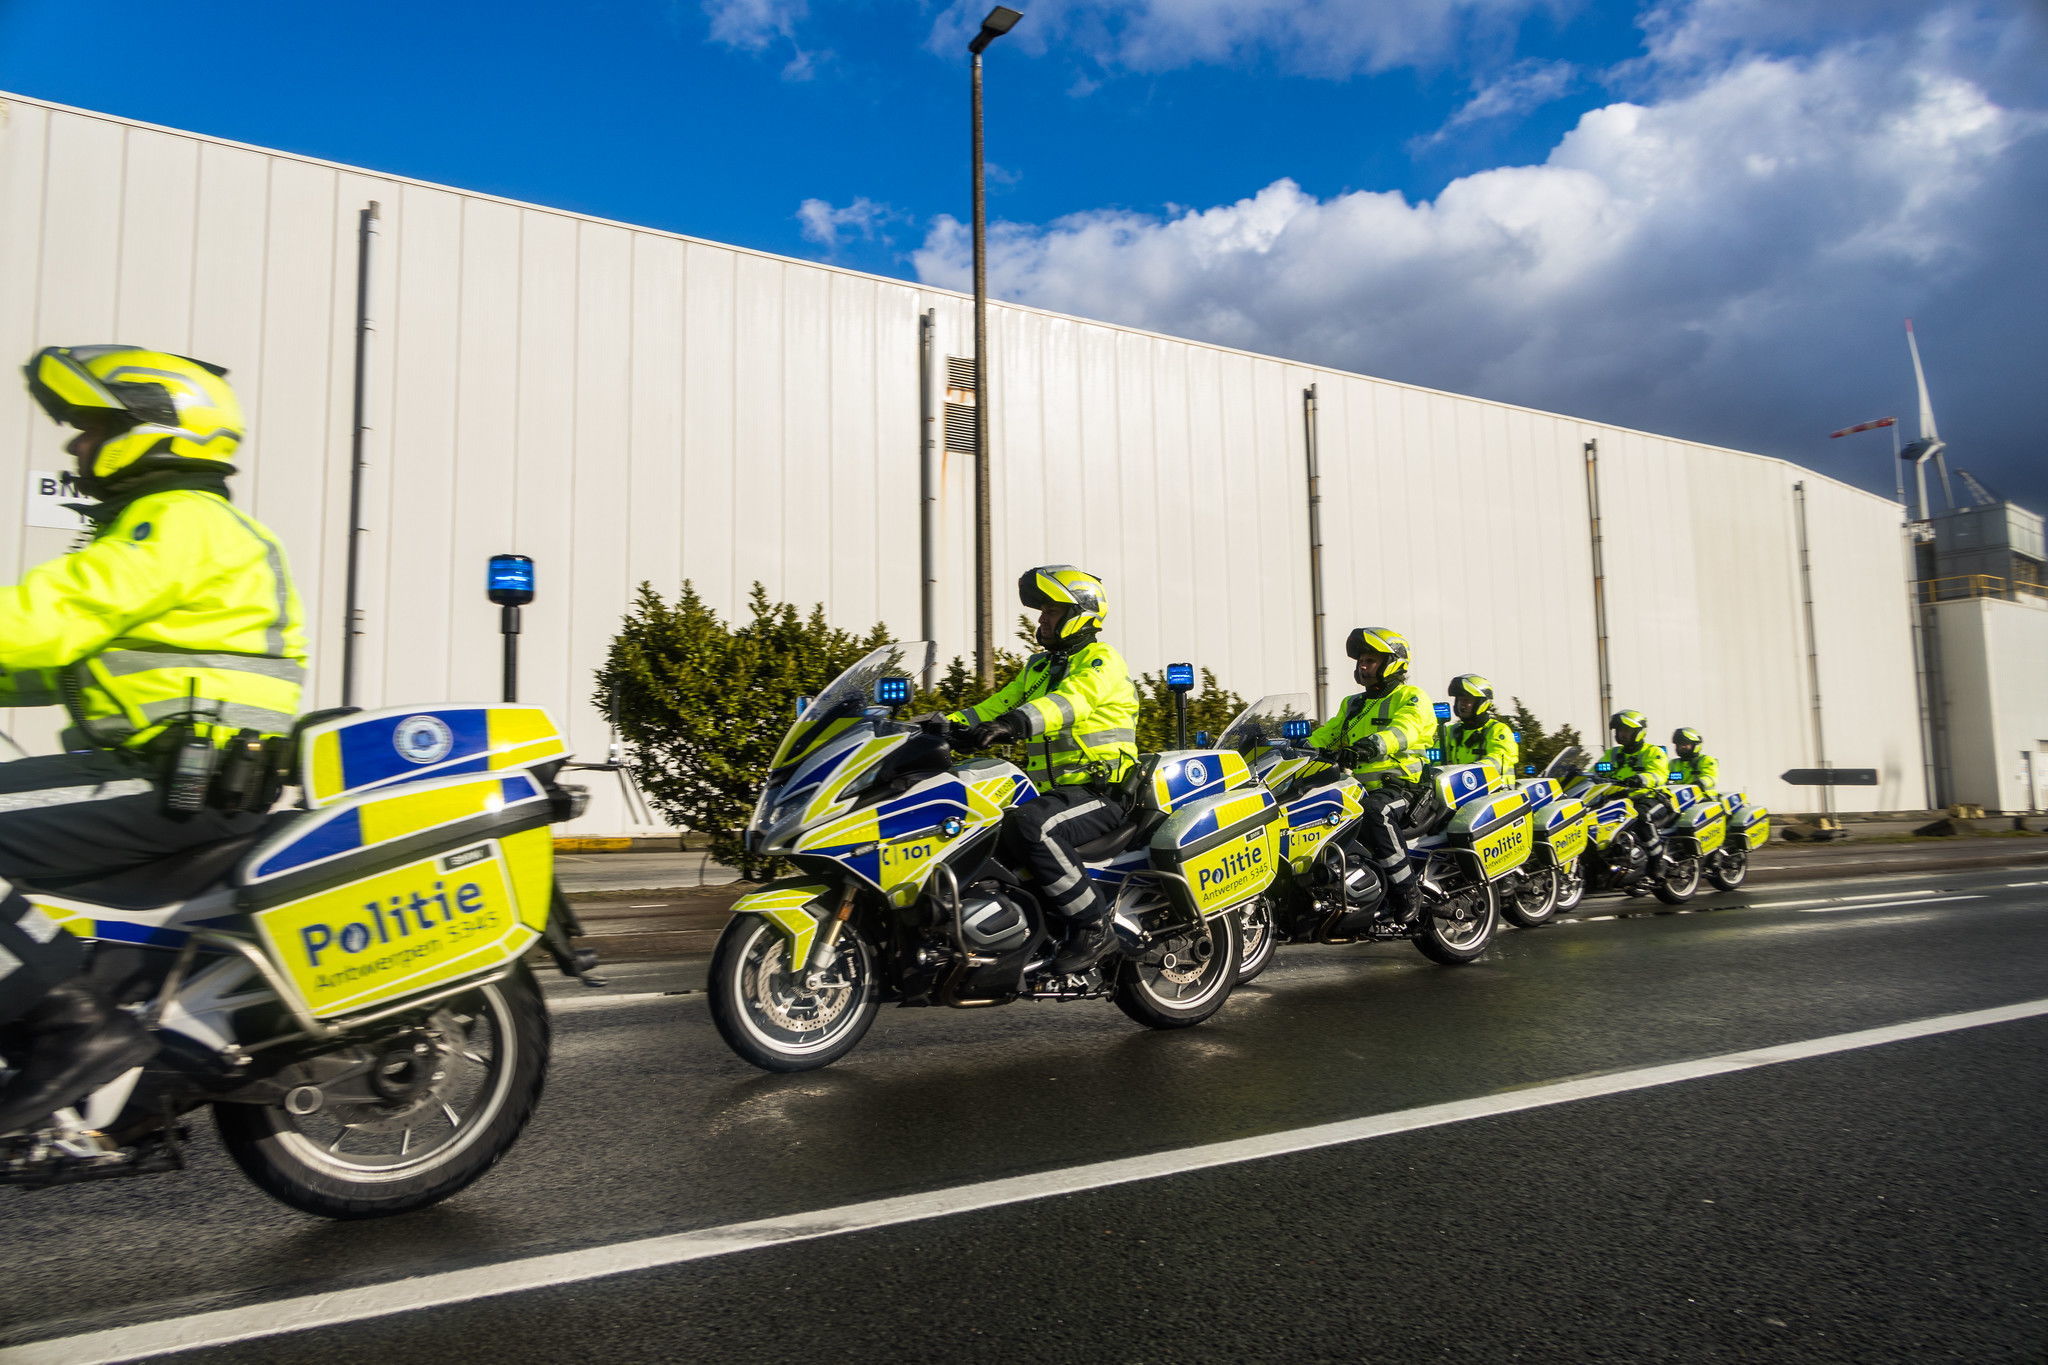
(992, 922)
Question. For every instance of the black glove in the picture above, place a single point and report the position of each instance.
(990, 733)
(1371, 749)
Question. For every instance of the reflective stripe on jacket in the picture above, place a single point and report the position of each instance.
(1646, 761)
(1701, 770)
(1078, 712)
(1402, 718)
(178, 594)
(1491, 738)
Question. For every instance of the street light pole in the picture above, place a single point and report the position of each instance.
(1000, 20)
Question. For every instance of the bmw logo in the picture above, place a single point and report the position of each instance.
(951, 826)
(423, 739)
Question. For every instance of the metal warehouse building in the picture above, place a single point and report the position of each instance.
(627, 405)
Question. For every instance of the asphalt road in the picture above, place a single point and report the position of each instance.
(1880, 1203)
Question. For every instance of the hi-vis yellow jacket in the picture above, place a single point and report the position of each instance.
(1078, 711)
(178, 593)
(1702, 770)
(1491, 738)
(1646, 761)
(1402, 719)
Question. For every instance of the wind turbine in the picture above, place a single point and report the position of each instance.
(1930, 445)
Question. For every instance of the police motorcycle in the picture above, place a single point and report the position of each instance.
(346, 988)
(899, 893)
(1615, 859)
(1748, 828)
(1469, 831)
(1553, 880)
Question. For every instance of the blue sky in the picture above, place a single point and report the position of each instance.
(1704, 217)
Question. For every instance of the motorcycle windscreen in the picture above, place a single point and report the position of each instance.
(842, 703)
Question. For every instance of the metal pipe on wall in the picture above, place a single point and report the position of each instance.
(1599, 582)
(928, 482)
(351, 614)
(1820, 734)
(1315, 551)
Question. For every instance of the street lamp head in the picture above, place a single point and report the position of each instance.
(1000, 20)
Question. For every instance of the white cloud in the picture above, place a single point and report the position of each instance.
(825, 225)
(1316, 37)
(757, 25)
(1724, 261)
(1522, 87)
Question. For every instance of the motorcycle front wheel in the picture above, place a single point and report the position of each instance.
(783, 1020)
(1460, 927)
(1571, 885)
(1730, 867)
(1680, 882)
(1531, 900)
(1259, 938)
(388, 1126)
(1183, 978)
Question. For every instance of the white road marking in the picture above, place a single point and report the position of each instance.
(1884, 905)
(547, 1272)
(2027, 883)
(1831, 900)
(595, 1002)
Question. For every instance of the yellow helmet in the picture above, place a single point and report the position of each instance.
(1063, 585)
(1381, 641)
(168, 411)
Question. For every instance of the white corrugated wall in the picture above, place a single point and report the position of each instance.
(629, 405)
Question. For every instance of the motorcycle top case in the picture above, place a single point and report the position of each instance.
(1163, 783)
(372, 750)
(387, 894)
(1751, 822)
(1495, 824)
(1224, 848)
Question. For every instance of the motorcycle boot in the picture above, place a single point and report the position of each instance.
(78, 1041)
(1088, 942)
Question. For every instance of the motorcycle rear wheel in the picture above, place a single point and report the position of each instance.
(1259, 938)
(1571, 885)
(1533, 900)
(1680, 882)
(1172, 986)
(1460, 928)
(1729, 868)
(771, 1016)
(465, 1082)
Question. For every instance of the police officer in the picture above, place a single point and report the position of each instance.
(174, 621)
(1076, 711)
(1702, 769)
(1383, 734)
(1642, 769)
(1476, 732)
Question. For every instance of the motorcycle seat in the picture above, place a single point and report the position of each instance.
(163, 881)
(1116, 841)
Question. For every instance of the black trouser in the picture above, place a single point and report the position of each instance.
(70, 817)
(1379, 833)
(1042, 835)
(1653, 813)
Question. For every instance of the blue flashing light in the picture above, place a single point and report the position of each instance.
(1528, 769)
(892, 691)
(1201, 739)
(1180, 677)
(510, 582)
(803, 704)
(1443, 710)
(1603, 767)
(1436, 755)
(1294, 729)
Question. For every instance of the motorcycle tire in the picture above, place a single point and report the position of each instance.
(1167, 995)
(1259, 938)
(1469, 940)
(758, 1028)
(1532, 901)
(1680, 882)
(1729, 868)
(504, 1032)
(1571, 887)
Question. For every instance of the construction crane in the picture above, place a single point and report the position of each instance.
(1984, 496)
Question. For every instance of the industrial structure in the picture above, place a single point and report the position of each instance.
(626, 405)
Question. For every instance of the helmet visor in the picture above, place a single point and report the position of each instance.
(67, 391)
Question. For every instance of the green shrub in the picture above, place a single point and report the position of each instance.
(1210, 710)
(1540, 745)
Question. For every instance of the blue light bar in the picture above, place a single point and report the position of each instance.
(1443, 710)
(1294, 729)
(510, 582)
(1436, 755)
(892, 691)
(1180, 677)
